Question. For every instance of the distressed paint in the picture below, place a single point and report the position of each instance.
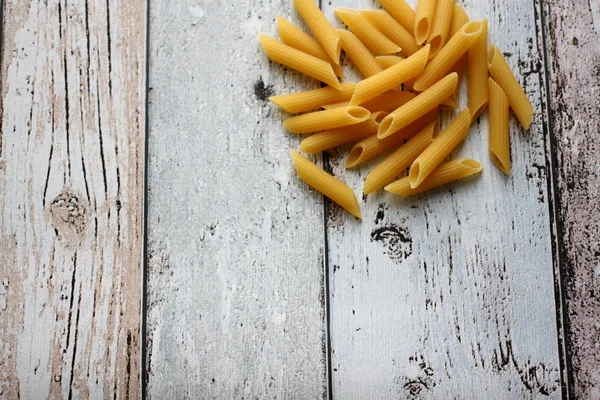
(71, 170)
(236, 241)
(573, 32)
(450, 294)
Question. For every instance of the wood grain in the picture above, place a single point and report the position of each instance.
(71, 169)
(451, 294)
(573, 29)
(236, 242)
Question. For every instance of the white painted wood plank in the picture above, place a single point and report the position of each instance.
(71, 164)
(450, 294)
(235, 280)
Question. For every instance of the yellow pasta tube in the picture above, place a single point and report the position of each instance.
(402, 12)
(388, 101)
(321, 181)
(390, 78)
(326, 119)
(424, 19)
(296, 38)
(500, 71)
(376, 41)
(499, 138)
(423, 103)
(449, 55)
(399, 160)
(441, 26)
(387, 25)
(322, 29)
(372, 147)
(441, 146)
(449, 104)
(359, 54)
(388, 61)
(336, 105)
(302, 62)
(336, 137)
(459, 18)
(312, 99)
(445, 173)
(477, 71)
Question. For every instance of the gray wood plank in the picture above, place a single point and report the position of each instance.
(235, 249)
(451, 294)
(71, 177)
(573, 29)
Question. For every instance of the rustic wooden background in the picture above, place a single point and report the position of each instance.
(155, 241)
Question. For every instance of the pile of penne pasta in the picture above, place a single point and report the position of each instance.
(394, 108)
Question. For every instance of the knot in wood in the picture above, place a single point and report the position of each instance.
(68, 214)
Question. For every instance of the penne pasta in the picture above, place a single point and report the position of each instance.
(449, 104)
(367, 33)
(445, 173)
(372, 147)
(499, 138)
(388, 101)
(500, 71)
(477, 71)
(321, 181)
(336, 105)
(320, 27)
(401, 12)
(312, 99)
(459, 18)
(359, 54)
(326, 119)
(439, 149)
(387, 25)
(423, 103)
(441, 26)
(424, 16)
(336, 137)
(301, 62)
(388, 61)
(296, 38)
(390, 78)
(399, 160)
(449, 55)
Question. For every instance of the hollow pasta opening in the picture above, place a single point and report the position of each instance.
(413, 175)
(358, 113)
(497, 162)
(422, 28)
(355, 155)
(473, 27)
(491, 54)
(384, 127)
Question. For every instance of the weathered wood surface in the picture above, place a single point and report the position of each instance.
(236, 240)
(71, 172)
(573, 29)
(451, 294)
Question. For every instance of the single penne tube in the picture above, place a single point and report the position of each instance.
(359, 54)
(321, 181)
(295, 103)
(376, 41)
(336, 137)
(388, 61)
(296, 38)
(301, 62)
(326, 119)
(499, 137)
(459, 68)
(445, 173)
(320, 27)
(387, 25)
(402, 12)
(441, 26)
(371, 147)
(390, 78)
(388, 101)
(423, 103)
(336, 105)
(399, 160)
(424, 16)
(449, 104)
(439, 149)
(500, 71)
(459, 18)
(477, 71)
(449, 55)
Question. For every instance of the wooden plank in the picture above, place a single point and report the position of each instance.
(71, 169)
(235, 274)
(451, 294)
(573, 29)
